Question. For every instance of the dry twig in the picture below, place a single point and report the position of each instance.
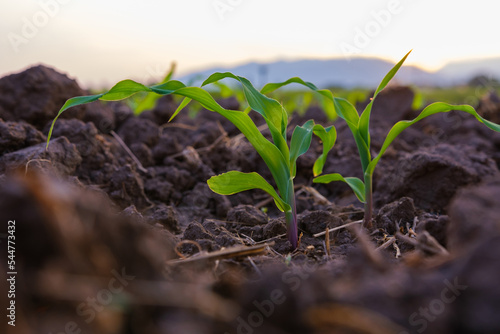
(337, 228)
(390, 241)
(228, 253)
(327, 241)
(129, 152)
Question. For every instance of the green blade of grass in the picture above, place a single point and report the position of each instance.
(356, 184)
(432, 109)
(234, 182)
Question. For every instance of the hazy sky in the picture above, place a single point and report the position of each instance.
(100, 42)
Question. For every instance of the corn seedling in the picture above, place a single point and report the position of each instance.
(278, 156)
(359, 126)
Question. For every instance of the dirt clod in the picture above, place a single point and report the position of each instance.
(474, 215)
(139, 130)
(166, 216)
(317, 221)
(431, 176)
(35, 96)
(62, 159)
(17, 135)
(394, 215)
(126, 186)
(247, 214)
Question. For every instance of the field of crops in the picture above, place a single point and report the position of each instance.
(230, 209)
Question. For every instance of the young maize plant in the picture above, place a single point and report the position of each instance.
(360, 128)
(278, 156)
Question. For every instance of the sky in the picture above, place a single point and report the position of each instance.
(101, 42)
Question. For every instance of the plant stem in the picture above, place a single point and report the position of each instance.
(367, 223)
(291, 224)
(291, 217)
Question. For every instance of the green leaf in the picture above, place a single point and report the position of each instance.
(181, 106)
(167, 87)
(325, 93)
(432, 109)
(328, 136)
(356, 184)
(234, 182)
(170, 73)
(120, 91)
(329, 109)
(272, 156)
(149, 101)
(271, 87)
(388, 77)
(418, 99)
(73, 102)
(224, 90)
(124, 89)
(347, 112)
(272, 111)
(267, 107)
(364, 120)
(300, 142)
(345, 107)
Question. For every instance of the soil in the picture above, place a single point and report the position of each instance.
(98, 236)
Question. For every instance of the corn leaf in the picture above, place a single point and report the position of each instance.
(271, 155)
(181, 106)
(432, 109)
(269, 108)
(167, 87)
(271, 87)
(350, 116)
(345, 107)
(124, 89)
(364, 120)
(325, 93)
(329, 109)
(300, 142)
(149, 101)
(234, 182)
(73, 102)
(272, 111)
(356, 184)
(328, 136)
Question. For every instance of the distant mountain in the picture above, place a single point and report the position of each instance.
(463, 71)
(356, 72)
